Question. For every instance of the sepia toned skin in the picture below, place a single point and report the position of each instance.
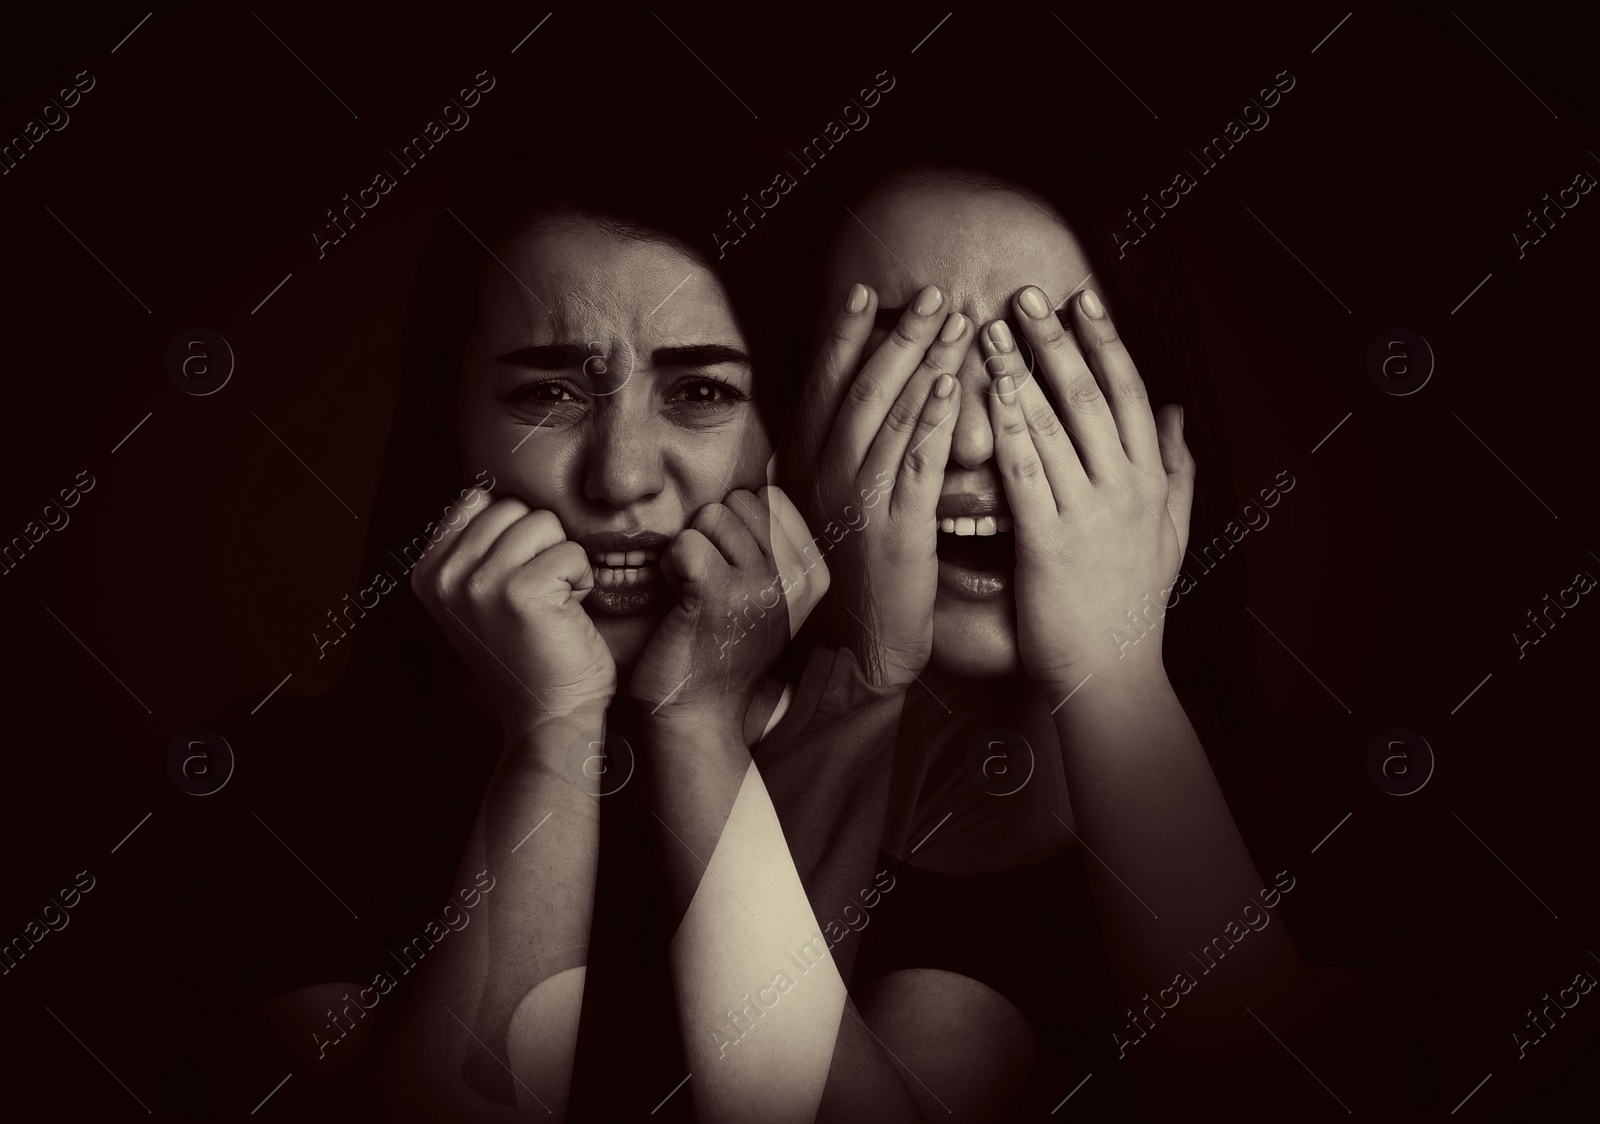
(1098, 488)
(584, 399)
(990, 244)
(606, 387)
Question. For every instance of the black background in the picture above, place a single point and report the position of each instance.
(1416, 540)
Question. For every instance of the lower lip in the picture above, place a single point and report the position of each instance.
(973, 585)
(622, 600)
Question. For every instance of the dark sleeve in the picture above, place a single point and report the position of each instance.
(827, 766)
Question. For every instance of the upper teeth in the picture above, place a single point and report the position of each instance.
(983, 525)
(615, 558)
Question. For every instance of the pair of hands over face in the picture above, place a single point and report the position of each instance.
(1100, 496)
(1100, 493)
(507, 587)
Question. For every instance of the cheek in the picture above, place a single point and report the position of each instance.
(711, 465)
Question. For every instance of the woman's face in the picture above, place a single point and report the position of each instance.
(980, 245)
(608, 382)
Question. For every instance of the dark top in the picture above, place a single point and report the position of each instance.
(983, 892)
(335, 844)
(338, 838)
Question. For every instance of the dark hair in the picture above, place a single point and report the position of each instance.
(1093, 184)
(673, 176)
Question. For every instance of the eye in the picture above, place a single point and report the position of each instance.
(707, 392)
(549, 391)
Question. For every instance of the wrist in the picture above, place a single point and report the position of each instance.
(528, 732)
(1106, 679)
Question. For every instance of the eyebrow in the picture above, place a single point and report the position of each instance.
(564, 356)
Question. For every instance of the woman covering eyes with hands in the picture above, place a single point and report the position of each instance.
(980, 345)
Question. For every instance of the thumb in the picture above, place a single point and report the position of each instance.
(1180, 468)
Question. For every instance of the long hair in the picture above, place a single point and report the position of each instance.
(1093, 184)
(671, 173)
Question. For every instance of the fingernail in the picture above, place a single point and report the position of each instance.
(928, 301)
(857, 301)
(954, 325)
(1092, 308)
(943, 385)
(1034, 304)
(1000, 337)
(1004, 386)
(1180, 419)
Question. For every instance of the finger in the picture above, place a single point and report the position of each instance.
(883, 377)
(752, 512)
(1062, 466)
(803, 584)
(1180, 468)
(835, 365)
(728, 534)
(519, 543)
(943, 357)
(565, 563)
(1119, 379)
(450, 559)
(691, 557)
(915, 497)
(1083, 404)
(1028, 491)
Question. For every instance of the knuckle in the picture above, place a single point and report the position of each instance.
(1108, 340)
(919, 462)
(865, 391)
(439, 586)
(1084, 391)
(1043, 420)
(479, 587)
(1014, 427)
(905, 337)
(1027, 470)
(902, 417)
(1131, 388)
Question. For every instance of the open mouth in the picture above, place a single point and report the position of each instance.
(977, 554)
(627, 574)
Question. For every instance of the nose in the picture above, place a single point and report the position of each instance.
(972, 444)
(623, 459)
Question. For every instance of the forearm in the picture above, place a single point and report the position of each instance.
(760, 1001)
(465, 1047)
(1171, 879)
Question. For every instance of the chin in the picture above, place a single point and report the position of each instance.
(975, 640)
(626, 636)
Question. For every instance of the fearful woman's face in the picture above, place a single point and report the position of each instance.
(981, 245)
(607, 381)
